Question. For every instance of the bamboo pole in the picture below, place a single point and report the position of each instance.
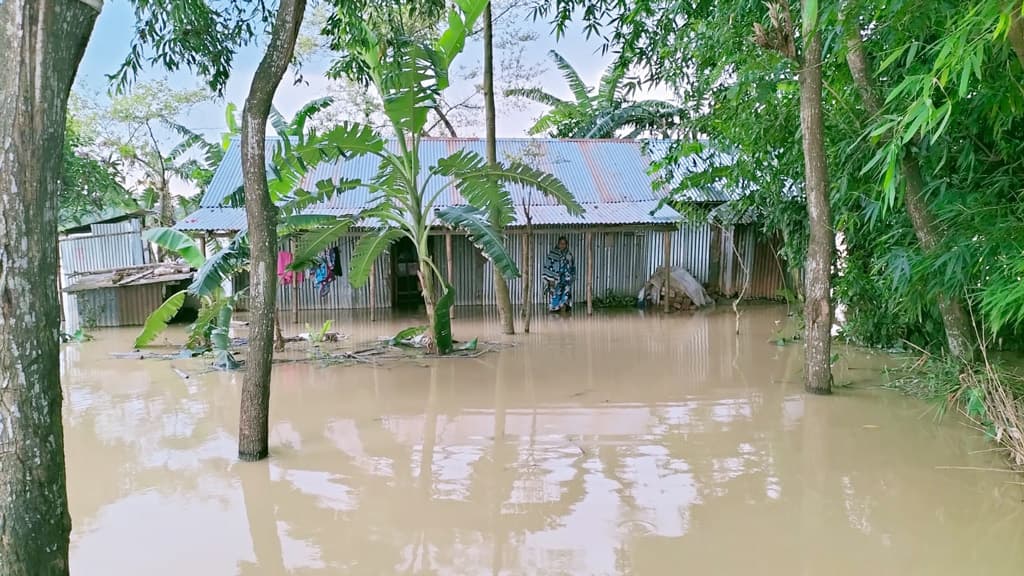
(295, 290)
(668, 267)
(450, 266)
(373, 292)
(590, 273)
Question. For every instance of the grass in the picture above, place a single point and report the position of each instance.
(989, 395)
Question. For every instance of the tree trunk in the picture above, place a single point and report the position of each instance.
(262, 220)
(501, 293)
(166, 205)
(41, 45)
(429, 302)
(1015, 34)
(959, 333)
(818, 303)
(527, 276)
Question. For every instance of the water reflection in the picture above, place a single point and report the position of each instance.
(606, 445)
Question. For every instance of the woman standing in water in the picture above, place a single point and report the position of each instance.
(559, 273)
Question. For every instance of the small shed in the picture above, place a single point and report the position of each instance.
(107, 276)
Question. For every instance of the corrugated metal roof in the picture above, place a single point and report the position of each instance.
(595, 171)
(696, 161)
(611, 214)
(610, 177)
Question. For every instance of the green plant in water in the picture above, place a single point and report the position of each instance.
(611, 300)
(410, 75)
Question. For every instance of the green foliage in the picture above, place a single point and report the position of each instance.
(178, 242)
(600, 113)
(612, 300)
(90, 186)
(474, 221)
(158, 320)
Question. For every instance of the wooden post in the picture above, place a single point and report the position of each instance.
(373, 292)
(202, 244)
(590, 273)
(295, 290)
(448, 261)
(668, 267)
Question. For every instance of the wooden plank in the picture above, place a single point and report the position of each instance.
(668, 267)
(373, 292)
(590, 272)
(295, 290)
(450, 266)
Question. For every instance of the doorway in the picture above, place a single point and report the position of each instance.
(404, 271)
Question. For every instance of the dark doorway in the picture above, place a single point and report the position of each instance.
(404, 268)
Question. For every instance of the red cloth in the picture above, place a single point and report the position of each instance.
(284, 259)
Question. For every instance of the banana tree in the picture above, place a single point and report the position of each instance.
(210, 330)
(410, 77)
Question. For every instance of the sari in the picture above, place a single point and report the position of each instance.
(559, 273)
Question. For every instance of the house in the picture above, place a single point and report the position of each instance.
(624, 234)
(107, 276)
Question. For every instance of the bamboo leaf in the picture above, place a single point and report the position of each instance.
(177, 242)
(158, 320)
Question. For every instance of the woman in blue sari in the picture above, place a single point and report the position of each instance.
(559, 273)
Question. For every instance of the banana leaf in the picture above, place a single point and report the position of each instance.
(158, 320)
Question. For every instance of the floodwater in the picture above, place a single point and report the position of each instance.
(608, 445)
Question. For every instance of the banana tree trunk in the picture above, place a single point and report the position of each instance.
(429, 301)
(817, 302)
(262, 221)
(41, 45)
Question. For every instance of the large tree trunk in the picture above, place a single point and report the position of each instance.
(41, 45)
(501, 293)
(262, 220)
(1015, 34)
(959, 333)
(817, 303)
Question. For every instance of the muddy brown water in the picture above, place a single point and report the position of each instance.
(615, 444)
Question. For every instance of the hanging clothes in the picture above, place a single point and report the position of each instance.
(288, 277)
(323, 275)
(336, 262)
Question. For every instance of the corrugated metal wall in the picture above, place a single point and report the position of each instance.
(748, 258)
(109, 307)
(340, 294)
(623, 260)
(109, 246)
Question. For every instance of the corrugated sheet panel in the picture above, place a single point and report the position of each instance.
(697, 161)
(749, 259)
(615, 214)
(212, 219)
(117, 249)
(595, 171)
(691, 245)
(340, 294)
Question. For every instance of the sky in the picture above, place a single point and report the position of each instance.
(114, 30)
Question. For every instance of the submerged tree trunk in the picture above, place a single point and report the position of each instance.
(817, 302)
(41, 45)
(959, 333)
(501, 293)
(262, 221)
